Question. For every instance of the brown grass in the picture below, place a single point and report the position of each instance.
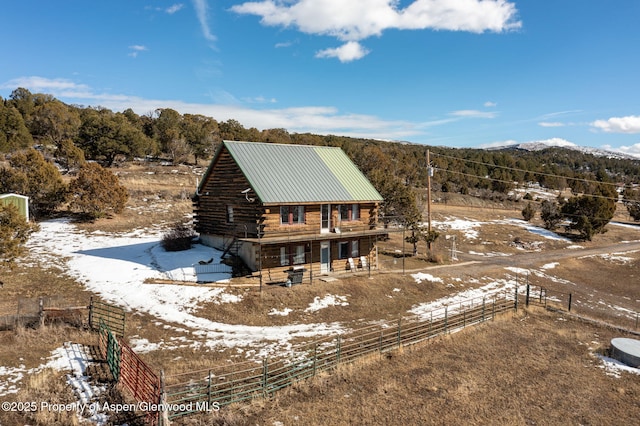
(533, 368)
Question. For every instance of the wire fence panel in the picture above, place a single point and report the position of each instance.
(248, 380)
(112, 316)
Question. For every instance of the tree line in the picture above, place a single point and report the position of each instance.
(72, 135)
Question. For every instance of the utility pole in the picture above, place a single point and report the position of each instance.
(429, 174)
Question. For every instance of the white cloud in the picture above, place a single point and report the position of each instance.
(136, 49)
(472, 113)
(174, 8)
(550, 124)
(313, 119)
(633, 150)
(202, 11)
(353, 21)
(260, 100)
(348, 52)
(490, 104)
(628, 124)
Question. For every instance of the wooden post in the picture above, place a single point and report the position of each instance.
(570, 297)
(338, 350)
(527, 298)
(483, 300)
(209, 392)
(164, 414)
(41, 311)
(265, 366)
(315, 357)
(311, 264)
(91, 313)
(429, 173)
(446, 319)
(400, 330)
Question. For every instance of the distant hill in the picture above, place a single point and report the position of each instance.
(561, 143)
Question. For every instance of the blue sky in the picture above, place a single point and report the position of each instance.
(458, 73)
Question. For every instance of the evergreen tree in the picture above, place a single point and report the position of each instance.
(14, 233)
(528, 212)
(589, 214)
(31, 175)
(96, 192)
(550, 214)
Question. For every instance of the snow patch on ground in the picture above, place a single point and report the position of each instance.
(422, 276)
(282, 313)
(328, 300)
(116, 266)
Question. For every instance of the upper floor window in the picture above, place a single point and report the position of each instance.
(349, 212)
(291, 215)
(229, 214)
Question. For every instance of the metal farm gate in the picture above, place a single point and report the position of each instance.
(130, 372)
(112, 317)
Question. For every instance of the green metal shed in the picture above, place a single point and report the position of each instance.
(20, 201)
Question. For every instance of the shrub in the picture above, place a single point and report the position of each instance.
(96, 192)
(14, 233)
(178, 238)
(528, 212)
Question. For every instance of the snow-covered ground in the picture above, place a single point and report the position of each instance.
(118, 267)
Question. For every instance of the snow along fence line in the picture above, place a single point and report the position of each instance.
(187, 393)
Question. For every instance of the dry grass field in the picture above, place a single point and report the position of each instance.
(534, 367)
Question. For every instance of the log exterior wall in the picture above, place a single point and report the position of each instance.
(223, 189)
(222, 195)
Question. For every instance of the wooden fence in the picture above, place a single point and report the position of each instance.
(34, 312)
(189, 393)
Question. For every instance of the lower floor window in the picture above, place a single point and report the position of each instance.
(347, 249)
(292, 255)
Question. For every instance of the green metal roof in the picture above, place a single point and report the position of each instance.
(280, 173)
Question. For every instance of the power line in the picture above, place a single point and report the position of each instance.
(526, 171)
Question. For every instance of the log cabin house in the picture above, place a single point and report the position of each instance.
(288, 208)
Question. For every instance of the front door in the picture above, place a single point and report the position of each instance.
(325, 222)
(325, 257)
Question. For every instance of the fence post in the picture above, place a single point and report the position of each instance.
(41, 311)
(446, 319)
(527, 298)
(570, 297)
(315, 357)
(637, 319)
(164, 413)
(516, 298)
(91, 313)
(400, 329)
(483, 300)
(338, 350)
(431, 324)
(265, 364)
(493, 309)
(380, 343)
(209, 392)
